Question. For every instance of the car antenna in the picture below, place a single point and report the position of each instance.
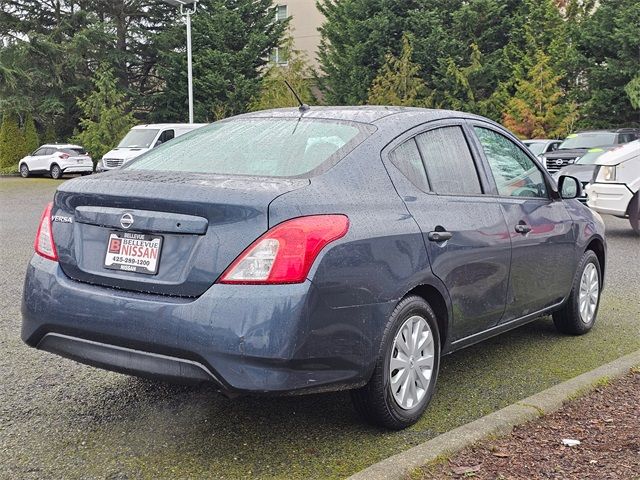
(303, 106)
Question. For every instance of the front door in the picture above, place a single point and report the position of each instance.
(541, 230)
(464, 231)
(38, 160)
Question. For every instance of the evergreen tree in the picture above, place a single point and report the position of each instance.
(609, 42)
(105, 117)
(356, 36)
(398, 82)
(50, 135)
(537, 109)
(31, 141)
(12, 144)
(633, 91)
(274, 93)
(232, 41)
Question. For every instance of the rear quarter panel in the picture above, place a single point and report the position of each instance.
(361, 277)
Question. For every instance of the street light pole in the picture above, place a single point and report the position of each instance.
(189, 68)
(187, 12)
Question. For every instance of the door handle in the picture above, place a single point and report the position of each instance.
(438, 236)
(523, 228)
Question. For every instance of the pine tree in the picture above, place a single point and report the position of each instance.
(356, 36)
(50, 135)
(232, 41)
(398, 82)
(538, 109)
(105, 116)
(31, 141)
(608, 41)
(12, 144)
(274, 93)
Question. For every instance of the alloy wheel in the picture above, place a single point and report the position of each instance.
(589, 293)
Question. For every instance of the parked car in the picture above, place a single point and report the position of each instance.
(141, 139)
(56, 160)
(540, 146)
(577, 144)
(331, 248)
(584, 168)
(616, 189)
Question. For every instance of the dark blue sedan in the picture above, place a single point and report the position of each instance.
(293, 251)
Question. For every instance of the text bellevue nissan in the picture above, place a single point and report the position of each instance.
(286, 251)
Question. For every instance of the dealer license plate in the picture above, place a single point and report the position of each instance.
(133, 252)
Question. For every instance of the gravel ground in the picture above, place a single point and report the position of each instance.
(60, 419)
(605, 422)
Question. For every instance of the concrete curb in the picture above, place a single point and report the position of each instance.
(497, 423)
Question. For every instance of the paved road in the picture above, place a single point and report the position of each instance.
(59, 419)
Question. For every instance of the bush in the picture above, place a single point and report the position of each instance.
(12, 142)
(31, 140)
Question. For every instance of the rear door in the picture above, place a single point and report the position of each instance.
(541, 230)
(464, 231)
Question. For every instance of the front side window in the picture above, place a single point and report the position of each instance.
(273, 147)
(515, 174)
(165, 137)
(449, 164)
(407, 159)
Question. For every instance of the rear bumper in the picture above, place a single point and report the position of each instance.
(77, 168)
(125, 360)
(245, 339)
(612, 199)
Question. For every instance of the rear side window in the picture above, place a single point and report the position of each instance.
(272, 147)
(449, 164)
(407, 159)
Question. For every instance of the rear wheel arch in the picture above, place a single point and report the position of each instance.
(436, 299)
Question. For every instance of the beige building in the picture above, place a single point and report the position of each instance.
(304, 24)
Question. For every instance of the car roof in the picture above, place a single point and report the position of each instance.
(169, 125)
(364, 114)
(60, 145)
(540, 140)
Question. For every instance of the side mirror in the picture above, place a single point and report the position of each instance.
(569, 187)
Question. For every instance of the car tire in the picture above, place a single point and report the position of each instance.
(24, 170)
(55, 172)
(578, 314)
(634, 213)
(395, 398)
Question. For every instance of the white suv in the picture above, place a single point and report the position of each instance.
(56, 160)
(616, 189)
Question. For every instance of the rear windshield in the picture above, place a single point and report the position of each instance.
(588, 140)
(74, 151)
(272, 147)
(138, 138)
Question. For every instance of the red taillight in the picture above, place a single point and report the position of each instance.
(64, 156)
(286, 252)
(44, 245)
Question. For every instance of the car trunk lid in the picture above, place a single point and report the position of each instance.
(199, 223)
